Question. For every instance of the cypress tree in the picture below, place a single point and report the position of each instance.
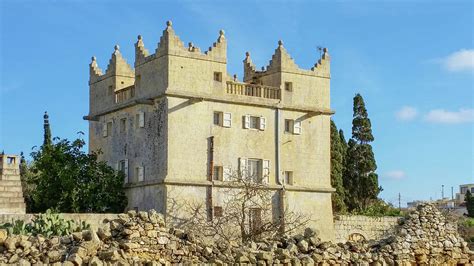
(47, 130)
(361, 181)
(337, 158)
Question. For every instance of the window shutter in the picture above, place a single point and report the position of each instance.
(297, 127)
(227, 174)
(104, 129)
(266, 171)
(227, 120)
(140, 173)
(243, 166)
(263, 123)
(117, 166)
(247, 121)
(141, 119)
(125, 170)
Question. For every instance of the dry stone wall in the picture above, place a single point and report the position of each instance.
(93, 219)
(425, 238)
(351, 227)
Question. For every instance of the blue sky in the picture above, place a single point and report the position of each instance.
(413, 62)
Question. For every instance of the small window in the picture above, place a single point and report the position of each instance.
(253, 122)
(122, 166)
(139, 173)
(11, 160)
(140, 118)
(111, 90)
(218, 211)
(292, 126)
(288, 177)
(217, 173)
(218, 76)
(289, 86)
(254, 170)
(289, 126)
(222, 119)
(218, 118)
(123, 125)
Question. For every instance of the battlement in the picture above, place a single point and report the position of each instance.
(282, 62)
(175, 67)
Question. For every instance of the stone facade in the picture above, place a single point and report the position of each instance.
(354, 227)
(11, 193)
(179, 125)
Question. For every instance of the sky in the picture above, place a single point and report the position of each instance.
(412, 61)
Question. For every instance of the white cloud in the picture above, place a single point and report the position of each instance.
(462, 60)
(441, 116)
(406, 113)
(395, 174)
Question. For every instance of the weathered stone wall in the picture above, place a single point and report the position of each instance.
(349, 227)
(425, 238)
(94, 219)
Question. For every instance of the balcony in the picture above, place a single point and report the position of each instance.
(261, 91)
(124, 94)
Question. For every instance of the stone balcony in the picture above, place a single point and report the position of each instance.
(253, 90)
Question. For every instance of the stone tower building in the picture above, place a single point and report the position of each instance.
(177, 124)
(11, 194)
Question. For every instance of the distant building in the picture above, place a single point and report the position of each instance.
(178, 125)
(462, 193)
(11, 194)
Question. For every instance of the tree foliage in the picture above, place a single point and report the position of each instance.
(360, 179)
(337, 168)
(68, 180)
(469, 199)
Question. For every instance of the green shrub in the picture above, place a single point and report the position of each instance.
(47, 224)
(379, 208)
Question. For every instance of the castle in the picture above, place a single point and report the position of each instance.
(177, 124)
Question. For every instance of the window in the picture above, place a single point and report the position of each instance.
(218, 211)
(222, 119)
(289, 125)
(472, 190)
(257, 170)
(107, 129)
(218, 76)
(110, 90)
(255, 122)
(122, 166)
(292, 126)
(288, 177)
(140, 118)
(123, 125)
(11, 160)
(139, 173)
(288, 86)
(463, 190)
(217, 118)
(255, 217)
(217, 173)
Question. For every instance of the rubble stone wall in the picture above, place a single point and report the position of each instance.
(371, 228)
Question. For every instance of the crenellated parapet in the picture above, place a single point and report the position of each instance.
(118, 66)
(282, 62)
(141, 53)
(94, 71)
(171, 44)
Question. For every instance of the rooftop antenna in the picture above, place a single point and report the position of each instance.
(320, 49)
